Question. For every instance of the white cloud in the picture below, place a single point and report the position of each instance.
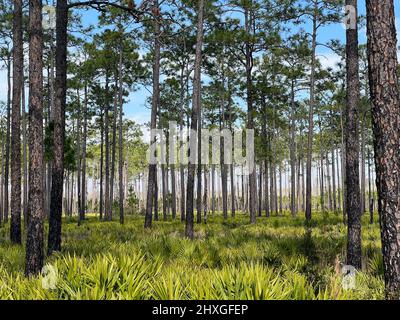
(329, 60)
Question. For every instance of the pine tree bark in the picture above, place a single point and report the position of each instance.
(83, 157)
(34, 242)
(120, 141)
(250, 110)
(114, 143)
(292, 152)
(18, 73)
(333, 179)
(101, 196)
(107, 204)
(205, 196)
(311, 114)
(189, 232)
(382, 61)
(24, 155)
(362, 151)
(352, 147)
(7, 144)
(54, 237)
(151, 184)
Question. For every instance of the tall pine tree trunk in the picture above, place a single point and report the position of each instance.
(382, 58)
(35, 232)
(120, 141)
(18, 73)
(250, 110)
(152, 176)
(352, 147)
(8, 129)
(189, 232)
(311, 114)
(54, 238)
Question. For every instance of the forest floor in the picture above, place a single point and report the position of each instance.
(277, 258)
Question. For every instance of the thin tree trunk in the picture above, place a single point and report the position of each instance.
(25, 155)
(120, 141)
(266, 198)
(339, 191)
(114, 145)
(18, 74)
(292, 153)
(107, 204)
(189, 232)
(352, 147)
(8, 129)
(151, 184)
(83, 157)
(370, 196)
(333, 179)
(362, 151)
(311, 114)
(260, 190)
(205, 199)
(250, 110)
(328, 178)
(78, 157)
(101, 161)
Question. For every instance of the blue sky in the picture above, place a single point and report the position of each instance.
(136, 109)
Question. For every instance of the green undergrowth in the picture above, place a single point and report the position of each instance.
(277, 258)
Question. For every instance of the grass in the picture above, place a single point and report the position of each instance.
(278, 258)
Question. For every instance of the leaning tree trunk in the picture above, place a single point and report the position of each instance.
(352, 146)
(18, 73)
(34, 242)
(54, 238)
(189, 232)
(382, 58)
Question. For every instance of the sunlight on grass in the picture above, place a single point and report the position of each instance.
(278, 258)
